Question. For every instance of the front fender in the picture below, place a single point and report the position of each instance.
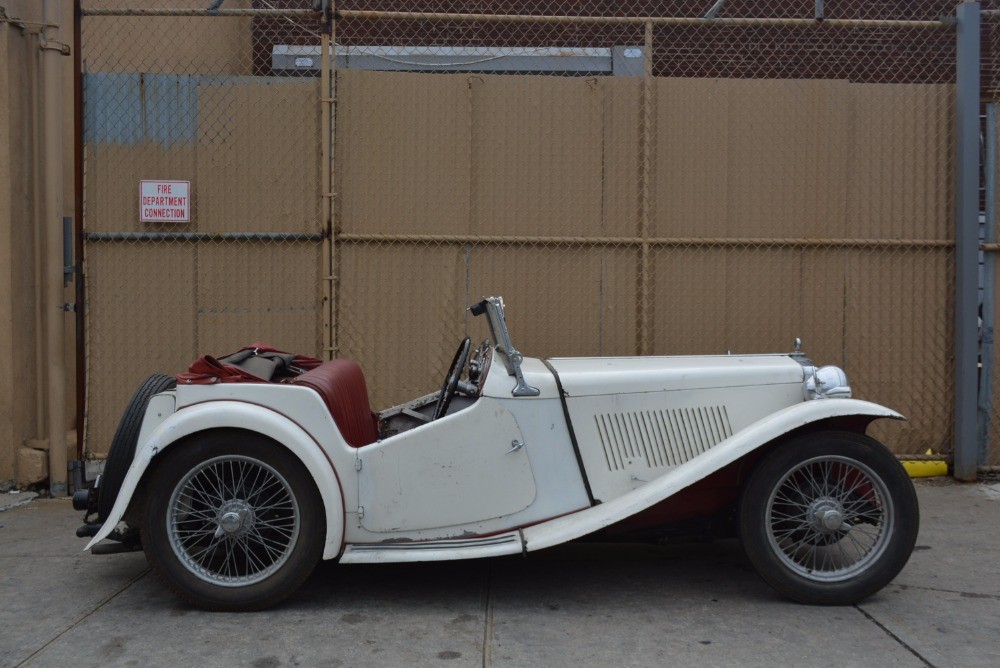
(736, 446)
(239, 415)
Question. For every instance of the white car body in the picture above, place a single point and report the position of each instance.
(603, 440)
(238, 477)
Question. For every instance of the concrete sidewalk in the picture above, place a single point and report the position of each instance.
(581, 605)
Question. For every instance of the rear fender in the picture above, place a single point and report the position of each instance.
(757, 435)
(237, 415)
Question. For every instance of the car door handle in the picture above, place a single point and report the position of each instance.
(515, 445)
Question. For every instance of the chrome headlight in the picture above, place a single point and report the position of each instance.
(828, 382)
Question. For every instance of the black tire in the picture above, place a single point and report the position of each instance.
(123, 444)
(795, 506)
(267, 556)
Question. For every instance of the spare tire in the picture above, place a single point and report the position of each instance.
(125, 440)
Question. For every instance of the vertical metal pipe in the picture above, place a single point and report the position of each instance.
(334, 199)
(52, 165)
(645, 279)
(326, 141)
(38, 217)
(78, 223)
(470, 222)
(966, 238)
(987, 361)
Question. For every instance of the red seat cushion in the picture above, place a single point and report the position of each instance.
(342, 386)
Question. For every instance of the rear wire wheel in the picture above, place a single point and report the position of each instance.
(234, 521)
(829, 518)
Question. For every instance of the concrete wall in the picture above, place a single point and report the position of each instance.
(146, 45)
(20, 416)
(7, 408)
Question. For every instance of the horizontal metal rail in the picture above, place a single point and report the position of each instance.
(637, 20)
(134, 11)
(203, 236)
(639, 241)
(989, 248)
(528, 18)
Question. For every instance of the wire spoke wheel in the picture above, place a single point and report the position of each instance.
(829, 518)
(233, 520)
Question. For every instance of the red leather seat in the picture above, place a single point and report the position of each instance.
(342, 386)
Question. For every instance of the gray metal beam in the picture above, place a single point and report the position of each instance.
(966, 239)
(989, 286)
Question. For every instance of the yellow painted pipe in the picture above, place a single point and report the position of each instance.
(925, 468)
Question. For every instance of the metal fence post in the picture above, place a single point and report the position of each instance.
(966, 239)
(328, 102)
(989, 285)
(647, 121)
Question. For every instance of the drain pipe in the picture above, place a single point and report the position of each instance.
(52, 230)
(35, 78)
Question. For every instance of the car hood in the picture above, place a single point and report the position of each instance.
(590, 376)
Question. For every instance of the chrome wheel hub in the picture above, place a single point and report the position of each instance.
(235, 518)
(827, 515)
(233, 521)
(829, 518)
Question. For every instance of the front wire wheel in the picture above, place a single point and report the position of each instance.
(233, 521)
(829, 518)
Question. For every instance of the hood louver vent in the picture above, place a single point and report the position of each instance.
(660, 438)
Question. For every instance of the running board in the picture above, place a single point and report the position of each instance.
(434, 550)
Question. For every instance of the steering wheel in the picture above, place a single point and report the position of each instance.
(450, 386)
(478, 361)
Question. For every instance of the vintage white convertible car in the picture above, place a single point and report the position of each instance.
(235, 490)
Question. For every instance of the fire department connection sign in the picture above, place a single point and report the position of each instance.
(165, 201)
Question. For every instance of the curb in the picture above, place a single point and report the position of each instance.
(8, 501)
(925, 468)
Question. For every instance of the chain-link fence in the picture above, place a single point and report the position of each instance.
(634, 177)
(988, 422)
(182, 98)
(989, 400)
(668, 186)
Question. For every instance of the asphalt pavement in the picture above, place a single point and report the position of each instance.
(577, 605)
